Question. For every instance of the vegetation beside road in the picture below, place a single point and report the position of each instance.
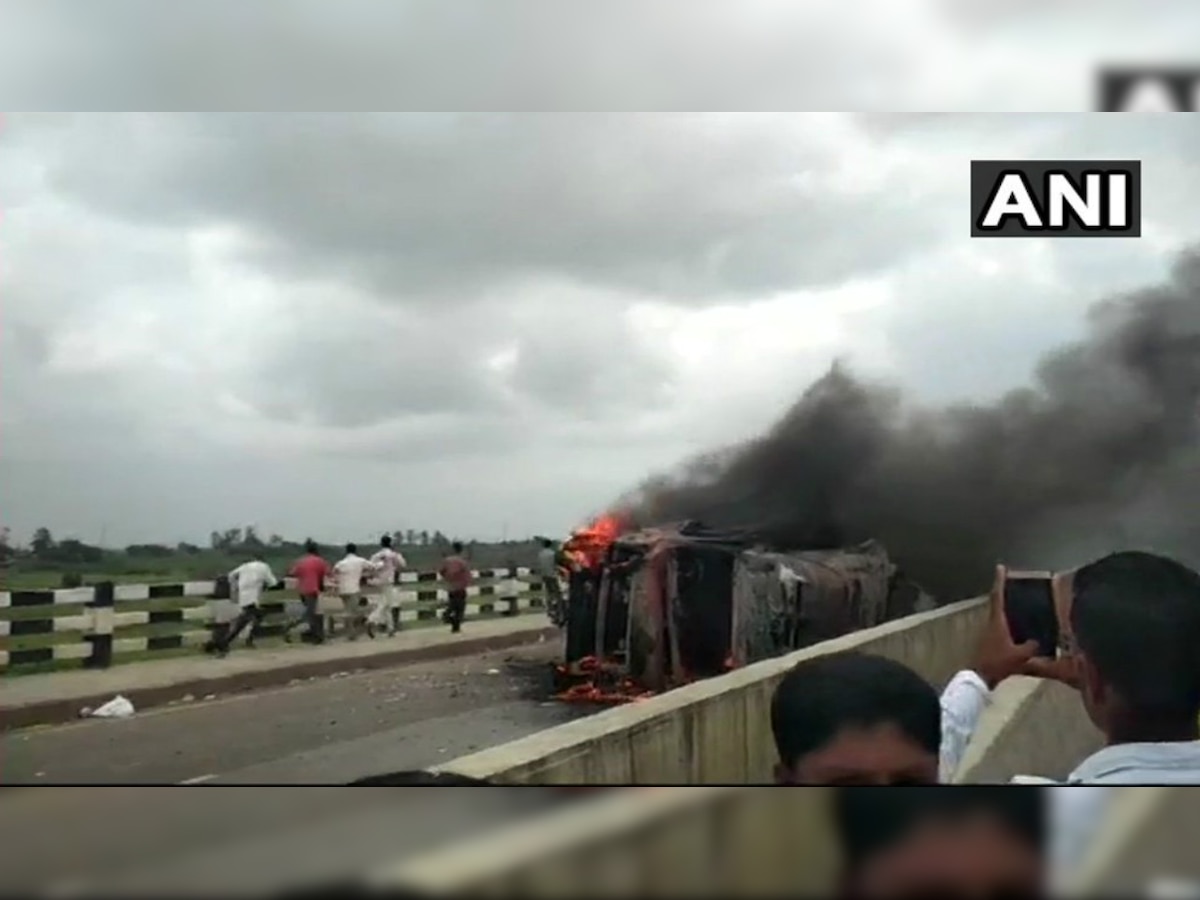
(47, 563)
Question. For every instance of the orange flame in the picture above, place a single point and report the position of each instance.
(588, 545)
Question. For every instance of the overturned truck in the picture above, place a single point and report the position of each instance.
(665, 606)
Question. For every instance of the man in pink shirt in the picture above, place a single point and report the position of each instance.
(310, 572)
(457, 575)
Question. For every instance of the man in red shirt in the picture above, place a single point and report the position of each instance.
(457, 575)
(310, 572)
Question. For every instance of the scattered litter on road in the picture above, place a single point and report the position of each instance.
(493, 671)
(117, 708)
(210, 696)
(187, 698)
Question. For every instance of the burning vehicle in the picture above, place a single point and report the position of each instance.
(656, 608)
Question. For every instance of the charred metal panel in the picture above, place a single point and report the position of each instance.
(582, 611)
(644, 642)
(701, 610)
(765, 608)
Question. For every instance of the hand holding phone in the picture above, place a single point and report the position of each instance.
(1064, 666)
(997, 655)
(1029, 611)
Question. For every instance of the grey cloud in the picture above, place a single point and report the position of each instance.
(429, 54)
(436, 209)
(376, 237)
(346, 369)
(589, 364)
(545, 54)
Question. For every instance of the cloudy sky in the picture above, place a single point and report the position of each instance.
(331, 323)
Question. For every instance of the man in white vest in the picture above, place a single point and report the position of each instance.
(387, 564)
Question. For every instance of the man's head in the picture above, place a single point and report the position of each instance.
(386, 541)
(351, 549)
(547, 544)
(310, 546)
(1135, 618)
(457, 547)
(849, 718)
(950, 841)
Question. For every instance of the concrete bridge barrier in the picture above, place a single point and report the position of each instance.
(755, 842)
(1031, 727)
(715, 731)
(666, 842)
(747, 841)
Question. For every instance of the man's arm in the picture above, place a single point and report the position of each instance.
(963, 702)
(968, 693)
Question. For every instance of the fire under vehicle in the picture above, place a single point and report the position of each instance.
(657, 608)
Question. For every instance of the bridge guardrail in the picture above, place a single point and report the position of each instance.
(107, 624)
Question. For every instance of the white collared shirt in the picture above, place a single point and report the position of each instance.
(249, 580)
(349, 572)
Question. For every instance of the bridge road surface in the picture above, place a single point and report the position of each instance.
(326, 731)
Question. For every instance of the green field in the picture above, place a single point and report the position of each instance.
(30, 574)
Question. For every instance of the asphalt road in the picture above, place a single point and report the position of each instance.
(320, 732)
(164, 842)
(326, 731)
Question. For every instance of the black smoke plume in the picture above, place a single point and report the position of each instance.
(1100, 453)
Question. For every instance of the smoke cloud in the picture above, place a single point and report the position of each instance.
(1098, 454)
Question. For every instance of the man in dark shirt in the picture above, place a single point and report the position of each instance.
(456, 573)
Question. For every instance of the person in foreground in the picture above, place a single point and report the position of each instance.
(1131, 623)
(850, 718)
(942, 842)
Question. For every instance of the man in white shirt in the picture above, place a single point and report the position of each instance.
(1133, 623)
(348, 574)
(246, 583)
(387, 564)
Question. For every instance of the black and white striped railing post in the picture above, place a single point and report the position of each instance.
(102, 606)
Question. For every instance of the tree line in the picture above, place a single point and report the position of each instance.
(70, 562)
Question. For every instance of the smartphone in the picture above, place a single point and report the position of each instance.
(1029, 609)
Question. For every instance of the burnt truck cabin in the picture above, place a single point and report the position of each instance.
(673, 604)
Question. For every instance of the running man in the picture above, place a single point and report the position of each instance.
(349, 572)
(247, 583)
(310, 572)
(388, 563)
(457, 574)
